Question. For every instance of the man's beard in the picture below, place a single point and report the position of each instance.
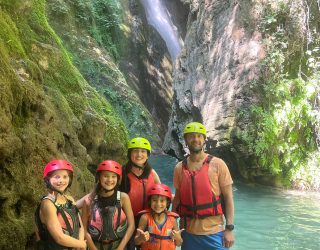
(195, 150)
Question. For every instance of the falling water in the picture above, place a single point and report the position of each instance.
(158, 17)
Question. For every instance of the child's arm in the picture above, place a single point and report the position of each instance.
(126, 206)
(80, 202)
(48, 214)
(85, 218)
(142, 236)
(176, 234)
(81, 232)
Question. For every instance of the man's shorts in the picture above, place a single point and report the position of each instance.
(203, 242)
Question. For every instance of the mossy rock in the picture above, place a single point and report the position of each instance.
(44, 109)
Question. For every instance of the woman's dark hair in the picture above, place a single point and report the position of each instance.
(125, 184)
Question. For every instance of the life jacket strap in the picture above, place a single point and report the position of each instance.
(160, 237)
(64, 217)
(207, 160)
(202, 206)
(119, 208)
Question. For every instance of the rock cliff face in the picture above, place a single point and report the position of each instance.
(121, 56)
(218, 61)
(148, 69)
(239, 57)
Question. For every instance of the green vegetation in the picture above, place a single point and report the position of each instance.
(92, 32)
(48, 110)
(101, 18)
(282, 134)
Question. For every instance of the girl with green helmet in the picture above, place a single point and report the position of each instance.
(138, 177)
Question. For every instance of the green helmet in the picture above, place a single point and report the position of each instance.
(139, 142)
(195, 127)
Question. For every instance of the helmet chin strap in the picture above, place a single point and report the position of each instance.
(108, 190)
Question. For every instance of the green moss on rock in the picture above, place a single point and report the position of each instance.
(44, 109)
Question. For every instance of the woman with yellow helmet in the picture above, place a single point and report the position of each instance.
(138, 176)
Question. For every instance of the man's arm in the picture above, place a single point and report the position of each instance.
(228, 238)
(228, 200)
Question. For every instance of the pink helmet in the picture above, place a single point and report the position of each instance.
(111, 166)
(160, 189)
(57, 165)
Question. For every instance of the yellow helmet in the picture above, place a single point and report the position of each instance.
(139, 142)
(195, 127)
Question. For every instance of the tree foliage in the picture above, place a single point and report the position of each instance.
(286, 118)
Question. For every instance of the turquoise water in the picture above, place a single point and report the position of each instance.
(266, 218)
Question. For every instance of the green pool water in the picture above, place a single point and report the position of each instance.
(265, 218)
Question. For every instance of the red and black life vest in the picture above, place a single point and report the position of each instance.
(107, 223)
(68, 216)
(196, 196)
(138, 192)
(159, 239)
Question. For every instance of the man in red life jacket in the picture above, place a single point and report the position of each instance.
(203, 184)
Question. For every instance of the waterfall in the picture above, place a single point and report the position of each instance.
(158, 17)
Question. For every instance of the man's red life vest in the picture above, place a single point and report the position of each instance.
(138, 192)
(196, 196)
(160, 239)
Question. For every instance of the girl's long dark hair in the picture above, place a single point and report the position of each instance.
(98, 188)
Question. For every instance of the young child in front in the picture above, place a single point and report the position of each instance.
(158, 227)
(58, 223)
(106, 212)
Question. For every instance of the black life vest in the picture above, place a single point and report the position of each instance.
(107, 223)
(68, 215)
(196, 198)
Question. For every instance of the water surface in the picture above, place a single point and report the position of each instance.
(265, 218)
